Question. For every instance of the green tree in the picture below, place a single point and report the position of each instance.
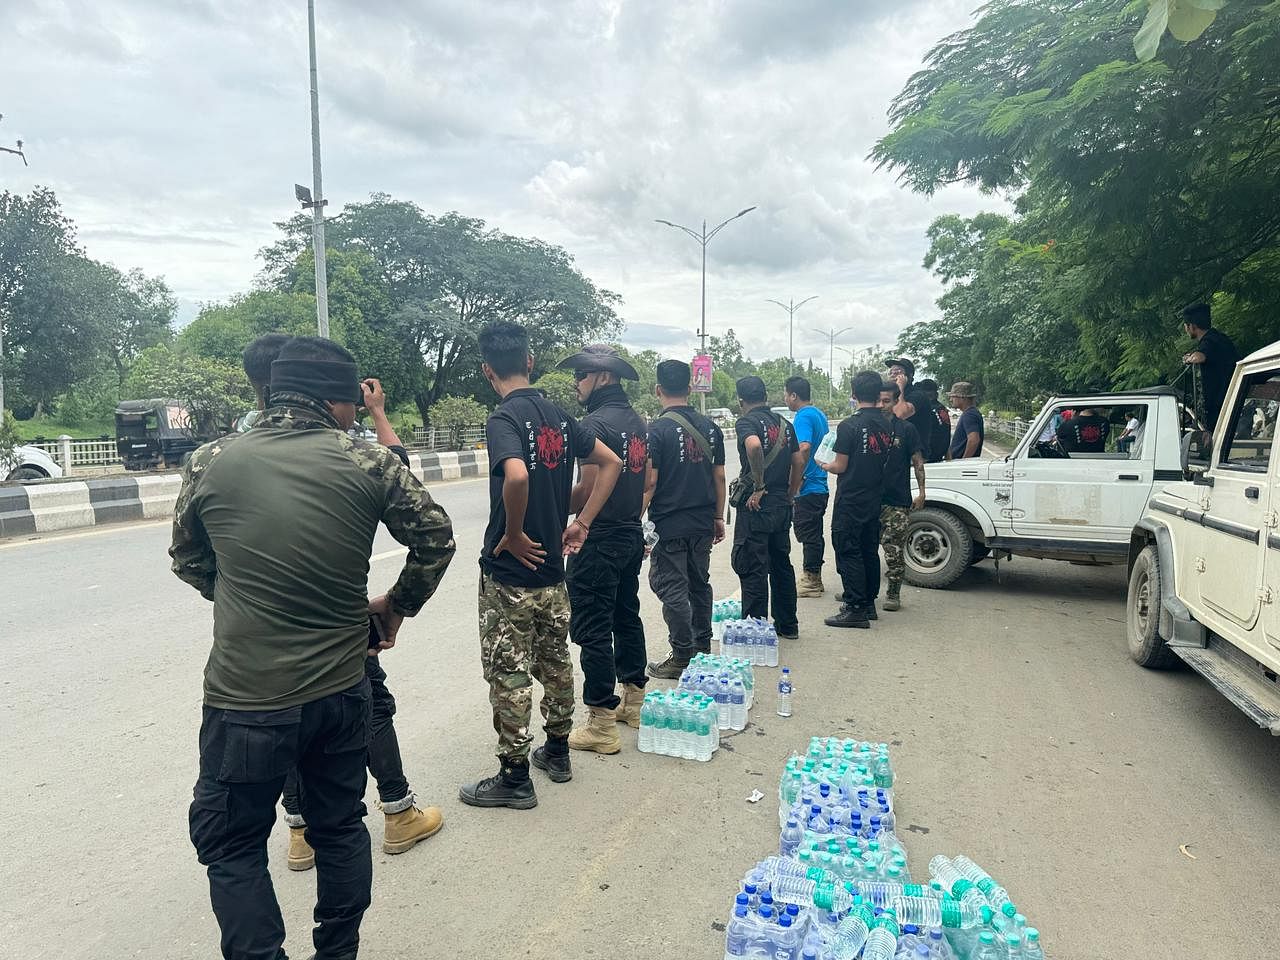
(1139, 187)
(560, 389)
(221, 331)
(213, 390)
(454, 413)
(445, 277)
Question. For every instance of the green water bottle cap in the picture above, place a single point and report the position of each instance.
(1009, 910)
(960, 887)
(1013, 940)
(987, 915)
(987, 938)
(1033, 935)
(1019, 920)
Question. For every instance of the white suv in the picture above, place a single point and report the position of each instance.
(29, 463)
(1204, 580)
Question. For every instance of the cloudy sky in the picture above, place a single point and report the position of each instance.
(173, 131)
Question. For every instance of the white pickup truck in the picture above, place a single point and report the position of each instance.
(1073, 488)
(1204, 558)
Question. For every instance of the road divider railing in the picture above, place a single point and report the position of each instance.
(55, 505)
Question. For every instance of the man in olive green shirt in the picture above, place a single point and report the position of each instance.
(276, 526)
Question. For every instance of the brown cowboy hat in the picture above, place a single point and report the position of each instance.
(596, 357)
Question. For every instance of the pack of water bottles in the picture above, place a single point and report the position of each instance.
(840, 887)
(754, 640)
(722, 612)
(728, 682)
(679, 723)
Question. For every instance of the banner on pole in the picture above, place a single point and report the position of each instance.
(701, 373)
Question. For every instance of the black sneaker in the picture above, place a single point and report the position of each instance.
(849, 617)
(870, 609)
(670, 668)
(511, 787)
(792, 634)
(553, 757)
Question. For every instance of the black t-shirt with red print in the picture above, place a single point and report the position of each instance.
(612, 420)
(529, 427)
(866, 439)
(1083, 434)
(684, 502)
(771, 429)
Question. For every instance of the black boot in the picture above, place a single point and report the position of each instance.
(510, 788)
(553, 757)
(850, 617)
(670, 668)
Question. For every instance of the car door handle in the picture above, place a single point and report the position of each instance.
(1128, 476)
(1251, 493)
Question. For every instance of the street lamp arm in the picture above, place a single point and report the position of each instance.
(740, 213)
(779, 303)
(806, 300)
(696, 236)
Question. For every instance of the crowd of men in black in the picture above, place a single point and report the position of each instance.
(275, 522)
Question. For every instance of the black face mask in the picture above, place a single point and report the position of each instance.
(332, 380)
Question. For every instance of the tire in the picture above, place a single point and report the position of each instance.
(980, 552)
(27, 472)
(938, 550)
(1142, 614)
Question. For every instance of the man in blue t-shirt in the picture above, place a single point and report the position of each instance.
(966, 442)
(810, 509)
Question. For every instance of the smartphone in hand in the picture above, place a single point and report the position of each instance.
(375, 634)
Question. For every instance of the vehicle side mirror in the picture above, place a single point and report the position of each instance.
(1194, 453)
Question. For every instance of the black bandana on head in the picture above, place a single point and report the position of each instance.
(333, 380)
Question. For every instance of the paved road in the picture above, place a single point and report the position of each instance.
(1023, 736)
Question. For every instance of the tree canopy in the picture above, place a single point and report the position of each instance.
(1138, 187)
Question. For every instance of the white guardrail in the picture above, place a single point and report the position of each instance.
(1014, 428)
(79, 453)
(443, 438)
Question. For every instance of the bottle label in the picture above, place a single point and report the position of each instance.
(784, 686)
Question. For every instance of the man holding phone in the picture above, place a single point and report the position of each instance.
(285, 685)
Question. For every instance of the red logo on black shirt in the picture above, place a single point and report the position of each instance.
(878, 442)
(1091, 434)
(637, 453)
(550, 443)
(771, 435)
(692, 451)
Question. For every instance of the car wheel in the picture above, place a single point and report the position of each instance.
(1146, 646)
(27, 472)
(938, 548)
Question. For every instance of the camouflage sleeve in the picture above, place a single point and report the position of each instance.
(422, 525)
(193, 558)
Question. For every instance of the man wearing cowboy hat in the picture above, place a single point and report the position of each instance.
(604, 578)
(966, 442)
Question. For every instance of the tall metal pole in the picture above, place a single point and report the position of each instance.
(791, 307)
(831, 336)
(317, 192)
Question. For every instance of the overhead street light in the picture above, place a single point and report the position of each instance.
(703, 239)
(831, 336)
(791, 307)
(313, 199)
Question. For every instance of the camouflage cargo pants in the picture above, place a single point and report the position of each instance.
(524, 635)
(893, 538)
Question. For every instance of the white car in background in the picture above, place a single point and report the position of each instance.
(29, 463)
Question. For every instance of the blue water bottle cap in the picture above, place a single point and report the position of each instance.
(793, 910)
(910, 928)
(810, 955)
(766, 912)
(750, 889)
(742, 899)
(766, 897)
(784, 921)
(740, 912)
(935, 933)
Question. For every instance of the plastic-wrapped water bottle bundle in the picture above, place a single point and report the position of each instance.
(706, 670)
(722, 612)
(678, 723)
(840, 888)
(755, 640)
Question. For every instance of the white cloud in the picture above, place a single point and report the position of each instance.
(173, 133)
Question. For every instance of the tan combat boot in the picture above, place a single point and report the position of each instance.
(409, 827)
(628, 711)
(810, 585)
(301, 856)
(600, 734)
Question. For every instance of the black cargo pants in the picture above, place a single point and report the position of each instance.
(856, 542)
(604, 597)
(244, 756)
(762, 560)
(385, 762)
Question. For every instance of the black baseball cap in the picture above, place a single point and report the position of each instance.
(904, 363)
(752, 390)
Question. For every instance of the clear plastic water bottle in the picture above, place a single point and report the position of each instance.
(826, 451)
(852, 933)
(722, 703)
(934, 912)
(987, 947)
(737, 705)
(939, 949)
(1013, 947)
(825, 895)
(954, 882)
(737, 934)
(882, 942)
(650, 535)
(771, 647)
(996, 895)
(644, 740)
(784, 693)
(1032, 950)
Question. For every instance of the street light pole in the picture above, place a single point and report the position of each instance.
(318, 202)
(703, 239)
(791, 307)
(831, 336)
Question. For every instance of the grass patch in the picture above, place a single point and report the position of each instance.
(51, 428)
